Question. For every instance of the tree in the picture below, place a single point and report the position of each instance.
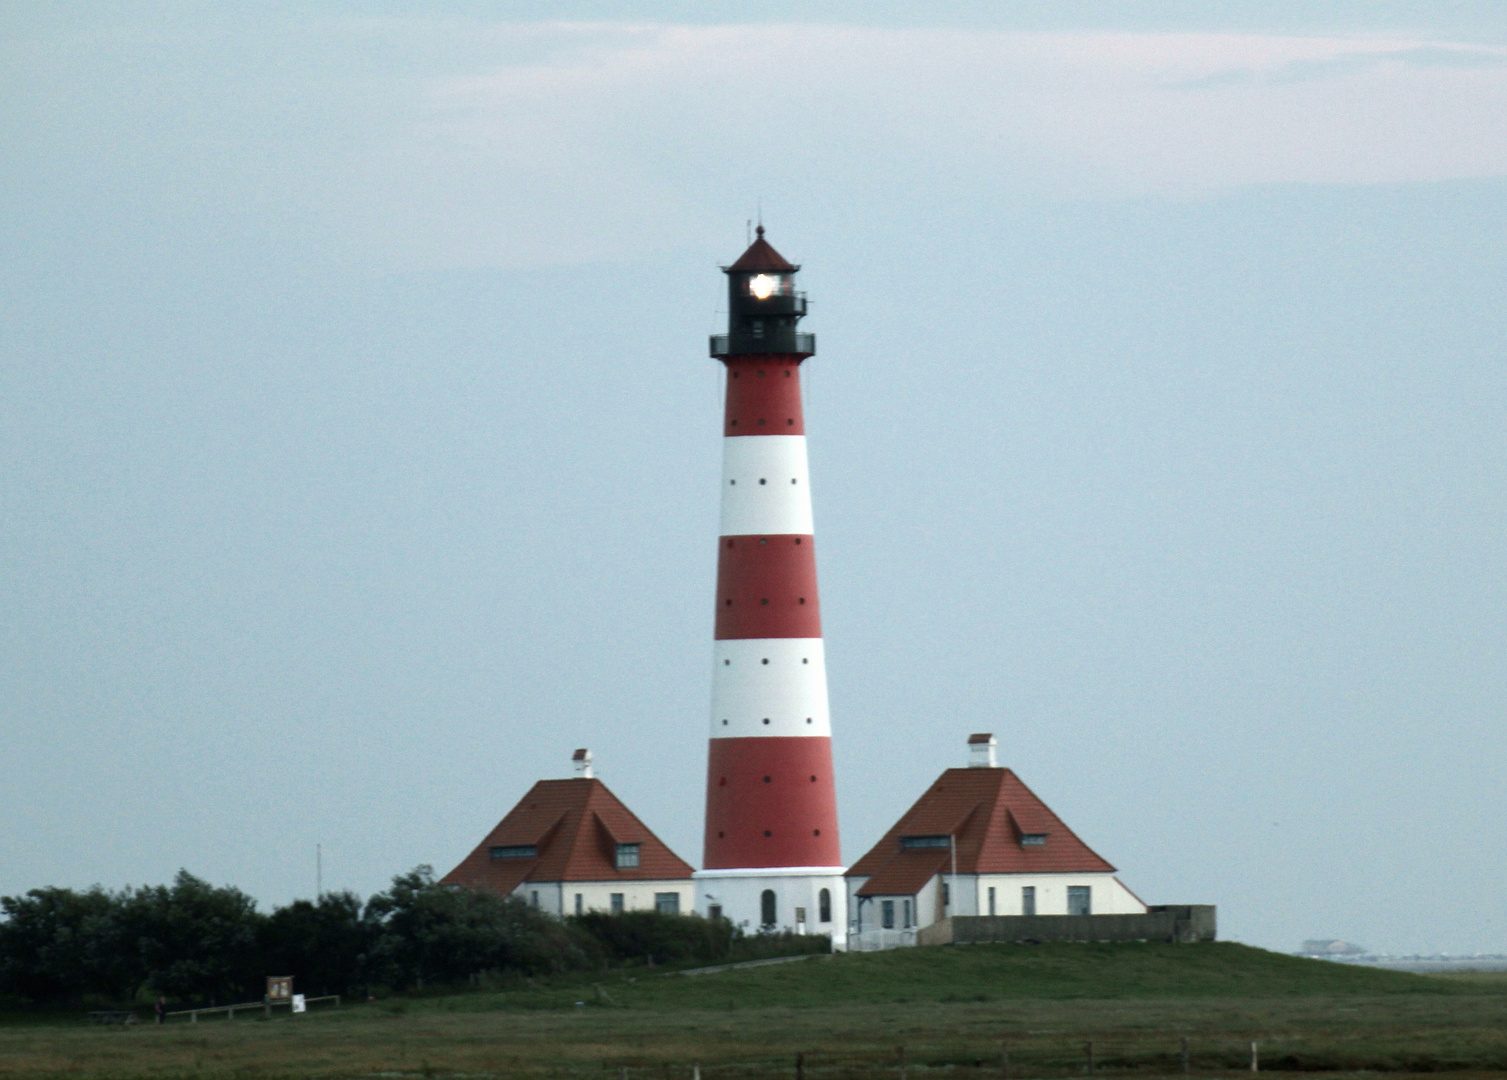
(323, 943)
(57, 945)
(429, 932)
(195, 941)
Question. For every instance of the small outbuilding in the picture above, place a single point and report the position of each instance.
(571, 846)
(978, 842)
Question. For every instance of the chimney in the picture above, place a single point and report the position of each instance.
(981, 751)
(581, 759)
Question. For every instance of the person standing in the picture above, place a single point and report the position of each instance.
(161, 1009)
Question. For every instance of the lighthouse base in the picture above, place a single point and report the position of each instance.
(800, 899)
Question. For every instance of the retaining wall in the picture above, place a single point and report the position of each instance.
(1165, 922)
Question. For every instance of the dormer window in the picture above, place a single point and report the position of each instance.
(1033, 839)
(514, 851)
(924, 841)
(627, 856)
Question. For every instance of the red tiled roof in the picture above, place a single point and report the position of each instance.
(761, 256)
(986, 811)
(907, 872)
(576, 826)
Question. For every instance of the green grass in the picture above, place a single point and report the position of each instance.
(977, 973)
(950, 1008)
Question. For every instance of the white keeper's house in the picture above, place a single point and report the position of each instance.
(978, 842)
(570, 847)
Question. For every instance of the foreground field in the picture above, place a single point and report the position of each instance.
(850, 1016)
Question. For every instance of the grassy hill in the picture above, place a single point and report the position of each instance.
(850, 1016)
(978, 973)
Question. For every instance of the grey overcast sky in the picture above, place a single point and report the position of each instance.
(359, 448)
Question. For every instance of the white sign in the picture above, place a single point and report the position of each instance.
(298, 1005)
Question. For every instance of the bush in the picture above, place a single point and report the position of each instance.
(669, 939)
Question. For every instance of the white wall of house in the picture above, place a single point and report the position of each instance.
(1108, 896)
(738, 894)
(969, 895)
(559, 897)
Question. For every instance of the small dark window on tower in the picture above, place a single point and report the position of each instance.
(765, 660)
(627, 856)
(813, 779)
(729, 603)
(797, 539)
(763, 539)
(787, 374)
(723, 781)
(761, 421)
(721, 835)
(762, 480)
(816, 832)
(766, 779)
(725, 663)
(768, 833)
(790, 423)
(765, 601)
(808, 719)
(792, 479)
(735, 423)
(761, 326)
(766, 720)
(724, 724)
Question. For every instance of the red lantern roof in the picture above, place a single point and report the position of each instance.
(761, 257)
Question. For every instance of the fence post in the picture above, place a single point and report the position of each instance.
(1255, 1062)
(800, 1067)
(696, 1071)
(230, 1013)
(900, 1060)
(1185, 1054)
(1088, 1050)
(193, 1017)
(1004, 1061)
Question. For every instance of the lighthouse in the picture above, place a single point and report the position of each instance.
(771, 854)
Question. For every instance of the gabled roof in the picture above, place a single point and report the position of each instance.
(986, 812)
(575, 826)
(761, 256)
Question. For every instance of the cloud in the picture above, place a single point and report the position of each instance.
(1307, 70)
(457, 142)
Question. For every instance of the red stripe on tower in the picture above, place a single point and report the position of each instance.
(771, 845)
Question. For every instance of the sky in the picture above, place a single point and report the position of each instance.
(359, 449)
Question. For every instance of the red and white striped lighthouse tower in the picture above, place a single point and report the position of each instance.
(771, 853)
